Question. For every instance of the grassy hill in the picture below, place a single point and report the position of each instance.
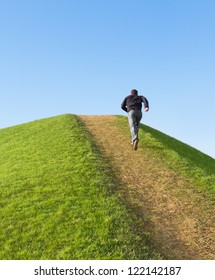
(58, 198)
(61, 196)
(168, 185)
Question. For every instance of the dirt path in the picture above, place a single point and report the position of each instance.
(180, 222)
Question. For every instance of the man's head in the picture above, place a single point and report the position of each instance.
(134, 92)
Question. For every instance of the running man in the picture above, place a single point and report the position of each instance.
(132, 104)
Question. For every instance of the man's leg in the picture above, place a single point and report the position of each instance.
(138, 117)
(132, 124)
(134, 118)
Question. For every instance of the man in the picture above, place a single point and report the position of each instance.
(132, 104)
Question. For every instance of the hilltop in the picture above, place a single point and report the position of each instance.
(73, 188)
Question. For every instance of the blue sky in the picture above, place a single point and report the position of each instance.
(84, 57)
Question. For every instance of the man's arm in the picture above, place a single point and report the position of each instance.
(145, 102)
(123, 106)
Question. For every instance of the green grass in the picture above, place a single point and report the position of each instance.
(178, 156)
(58, 198)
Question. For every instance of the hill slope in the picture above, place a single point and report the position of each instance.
(57, 197)
(169, 185)
(73, 188)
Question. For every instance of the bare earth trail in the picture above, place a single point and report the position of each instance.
(179, 220)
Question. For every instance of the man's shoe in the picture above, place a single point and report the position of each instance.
(135, 144)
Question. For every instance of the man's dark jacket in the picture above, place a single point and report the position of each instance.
(132, 102)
